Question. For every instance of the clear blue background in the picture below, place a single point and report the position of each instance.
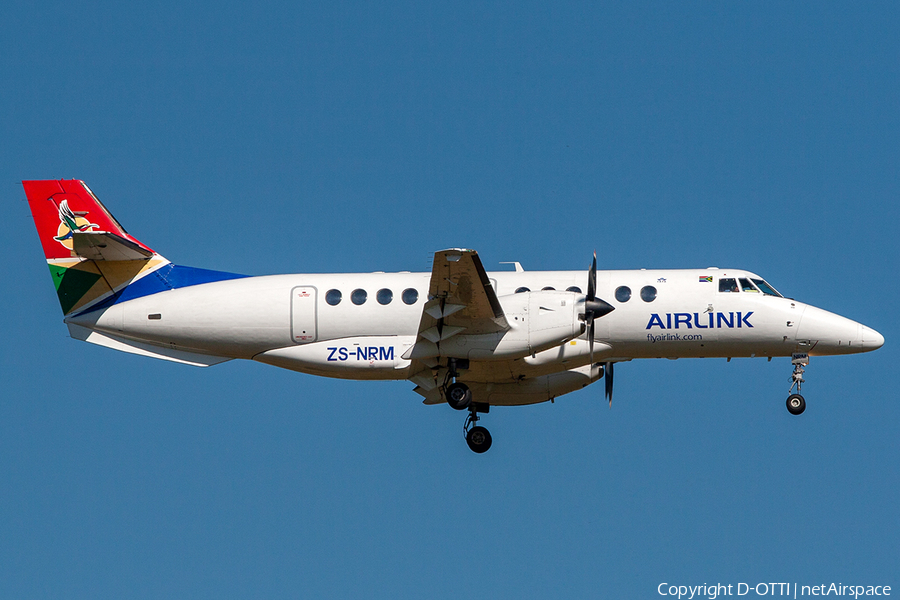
(274, 137)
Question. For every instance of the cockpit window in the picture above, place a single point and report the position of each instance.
(746, 286)
(728, 284)
(767, 289)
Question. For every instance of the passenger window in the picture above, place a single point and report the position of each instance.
(522, 289)
(728, 284)
(648, 293)
(574, 288)
(623, 293)
(333, 297)
(384, 296)
(410, 296)
(549, 288)
(358, 297)
(746, 286)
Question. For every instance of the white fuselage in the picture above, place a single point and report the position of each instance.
(286, 321)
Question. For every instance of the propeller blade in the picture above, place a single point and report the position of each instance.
(591, 338)
(592, 280)
(608, 376)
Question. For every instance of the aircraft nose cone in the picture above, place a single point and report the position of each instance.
(828, 333)
(871, 339)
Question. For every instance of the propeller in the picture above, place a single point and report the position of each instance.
(594, 309)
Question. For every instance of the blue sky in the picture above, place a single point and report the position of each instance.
(281, 137)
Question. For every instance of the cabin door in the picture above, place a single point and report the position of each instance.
(303, 314)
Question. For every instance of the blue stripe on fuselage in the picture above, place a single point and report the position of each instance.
(169, 277)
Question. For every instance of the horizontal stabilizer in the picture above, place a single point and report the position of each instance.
(134, 347)
(104, 245)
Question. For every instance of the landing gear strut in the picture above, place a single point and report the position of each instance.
(796, 404)
(459, 396)
(477, 437)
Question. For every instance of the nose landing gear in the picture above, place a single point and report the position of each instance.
(796, 404)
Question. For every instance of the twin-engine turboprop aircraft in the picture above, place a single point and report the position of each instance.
(464, 336)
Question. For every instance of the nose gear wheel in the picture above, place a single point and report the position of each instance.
(796, 404)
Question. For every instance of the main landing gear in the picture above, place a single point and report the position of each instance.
(459, 396)
(477, 437)
(796, 404)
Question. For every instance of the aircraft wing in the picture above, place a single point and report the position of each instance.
(460, 299)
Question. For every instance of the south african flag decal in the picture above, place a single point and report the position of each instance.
(706, 279)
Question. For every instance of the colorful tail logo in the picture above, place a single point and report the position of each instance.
(71, 221)
(63, 208)
(108, 265)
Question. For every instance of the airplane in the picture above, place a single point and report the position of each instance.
(465, 337)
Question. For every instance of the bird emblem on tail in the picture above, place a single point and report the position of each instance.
(70, 222)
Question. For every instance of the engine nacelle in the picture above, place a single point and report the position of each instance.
(536, 389)
(538, 321)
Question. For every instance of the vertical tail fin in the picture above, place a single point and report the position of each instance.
(89, 253)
